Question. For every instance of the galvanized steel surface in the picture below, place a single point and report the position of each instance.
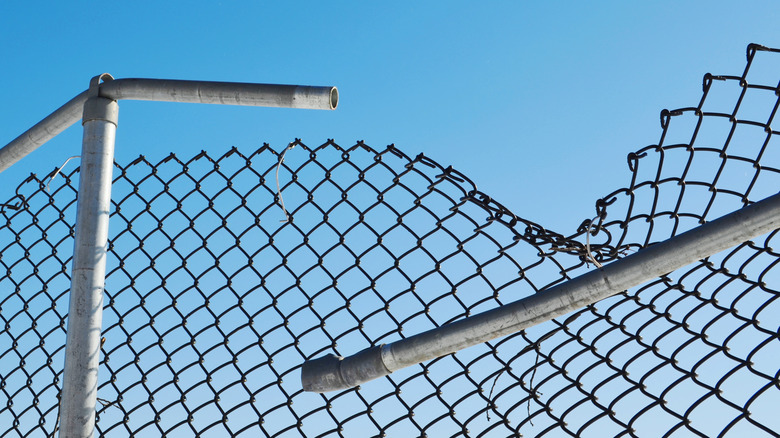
(82, 352)
(214, 298)
(332, 374)
(226, 93)
(223, 93)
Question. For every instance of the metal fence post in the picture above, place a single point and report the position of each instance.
(85, 315)
(99, 111)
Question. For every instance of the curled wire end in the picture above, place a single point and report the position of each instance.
(10, 206)
(59, 169)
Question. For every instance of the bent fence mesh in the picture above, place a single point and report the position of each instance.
(215, 297)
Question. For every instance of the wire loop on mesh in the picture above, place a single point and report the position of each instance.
(278, 187)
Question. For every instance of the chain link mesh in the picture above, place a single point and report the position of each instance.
(215, 294)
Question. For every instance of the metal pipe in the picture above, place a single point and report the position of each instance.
(43, 131)
(85, 314)
(226, 93)
(332, 373)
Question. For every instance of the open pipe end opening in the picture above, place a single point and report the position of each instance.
(334, 98)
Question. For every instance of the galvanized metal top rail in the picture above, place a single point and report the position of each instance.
(225, 93)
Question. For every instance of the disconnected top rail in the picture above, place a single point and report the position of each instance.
(225, 93)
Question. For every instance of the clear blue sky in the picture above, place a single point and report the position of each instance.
(538, 104)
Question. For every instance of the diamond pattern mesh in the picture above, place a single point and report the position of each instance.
(220, 285)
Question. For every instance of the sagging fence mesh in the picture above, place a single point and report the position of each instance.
(227, 273)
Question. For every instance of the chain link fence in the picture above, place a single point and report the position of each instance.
(226, 273)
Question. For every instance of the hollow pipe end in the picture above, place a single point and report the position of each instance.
(334, 98)
(322, 374)
(323, 98)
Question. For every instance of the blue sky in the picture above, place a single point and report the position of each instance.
(537, 104)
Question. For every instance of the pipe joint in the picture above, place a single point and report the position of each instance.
(100, 108)
(333, 373)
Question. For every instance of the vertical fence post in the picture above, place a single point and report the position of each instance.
(85, 314)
